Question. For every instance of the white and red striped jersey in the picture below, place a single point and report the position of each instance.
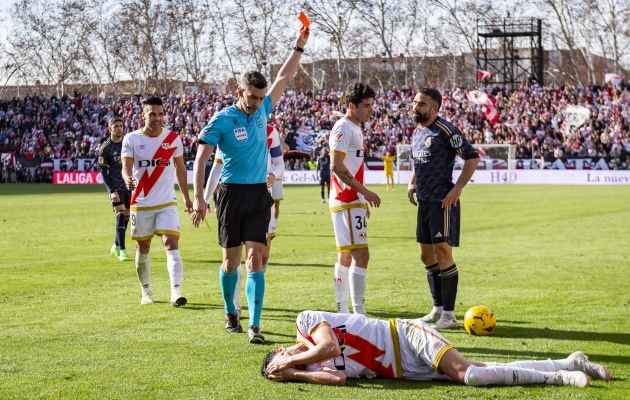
(346, 140)
(153, 167)
(367, 344)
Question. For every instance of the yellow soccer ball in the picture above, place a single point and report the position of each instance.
(480, 321)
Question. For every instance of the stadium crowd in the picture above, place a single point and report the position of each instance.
(531, 117)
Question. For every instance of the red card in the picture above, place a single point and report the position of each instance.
(304, 19)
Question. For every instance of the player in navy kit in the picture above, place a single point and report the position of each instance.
(435, 143)
(111, 171)
(323, 166)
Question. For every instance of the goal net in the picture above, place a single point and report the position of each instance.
(493, 156)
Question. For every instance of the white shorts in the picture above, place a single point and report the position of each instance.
(350, 227)
(277, 190)
(146, 224)
(271, 231)
(421, 350)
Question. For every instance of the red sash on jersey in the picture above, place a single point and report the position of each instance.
(366, 355)
(269, 136)
(147, 181)
(348, 195)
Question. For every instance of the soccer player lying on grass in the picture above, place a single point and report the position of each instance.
(334, 347)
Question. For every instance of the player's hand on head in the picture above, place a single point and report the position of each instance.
(284, 375)
(411, 191)
(280, 362)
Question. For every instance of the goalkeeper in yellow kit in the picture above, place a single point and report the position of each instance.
(388, 164)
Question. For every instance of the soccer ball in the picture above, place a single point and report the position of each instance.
(480, 321)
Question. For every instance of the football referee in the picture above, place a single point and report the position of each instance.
(435, 143)
(243, 201)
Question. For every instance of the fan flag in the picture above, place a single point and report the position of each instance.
(613, 78)
(483, 75)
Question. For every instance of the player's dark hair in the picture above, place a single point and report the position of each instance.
(434, 94)
(357, 92)
(113, 120)
(152, 101)
(255, 79)
(268, 358)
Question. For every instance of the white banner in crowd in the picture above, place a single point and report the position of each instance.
(7, 158)
(305, 139)
(576, 117)
(613, 78)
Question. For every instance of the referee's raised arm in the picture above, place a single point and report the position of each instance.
(288, 70)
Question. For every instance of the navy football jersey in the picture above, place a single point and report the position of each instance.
(434, 150)
(109, 160)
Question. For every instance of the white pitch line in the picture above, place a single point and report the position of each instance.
(52, 261)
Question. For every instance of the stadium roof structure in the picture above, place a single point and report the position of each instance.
(511, 49)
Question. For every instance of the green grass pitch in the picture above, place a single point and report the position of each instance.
(551, 261)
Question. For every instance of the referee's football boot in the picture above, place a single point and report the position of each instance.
(254, 335)
(582, 363)
(177, 300)
(232, 324)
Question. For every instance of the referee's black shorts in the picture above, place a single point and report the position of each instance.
(243, 213)
(435, 224)
(124, 197)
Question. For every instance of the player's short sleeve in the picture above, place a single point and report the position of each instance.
(306, 324)
(211, 134)
(461, 145)
(127, 148)
(267, 105)
(339, 140)
(180, 148)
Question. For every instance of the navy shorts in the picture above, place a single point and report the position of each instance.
(324, 179)
(243, 213)
(437, 225)
(125, 198)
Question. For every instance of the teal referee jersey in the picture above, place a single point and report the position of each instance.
(242, 139)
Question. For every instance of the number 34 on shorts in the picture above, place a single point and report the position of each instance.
(350, 228)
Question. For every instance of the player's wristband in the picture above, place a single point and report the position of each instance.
(301, 50)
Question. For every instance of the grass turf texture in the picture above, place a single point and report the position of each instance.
(551, 261)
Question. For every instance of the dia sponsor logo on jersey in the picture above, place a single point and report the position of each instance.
(160, 162)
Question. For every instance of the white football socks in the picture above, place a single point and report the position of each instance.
(175, 268)
(143, 268)
(237, 290)
(342, 288)
(357, 289)
(543, 365)
(507, 375)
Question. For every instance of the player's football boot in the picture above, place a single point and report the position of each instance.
(582, 363)
(177, 300)
(115, 251)
(254, 335)
(571, 378)
(232, 324)
(123, 256)
(147, 298)
(445, 322)
(431, 317)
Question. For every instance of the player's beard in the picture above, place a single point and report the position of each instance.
(420, 118)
